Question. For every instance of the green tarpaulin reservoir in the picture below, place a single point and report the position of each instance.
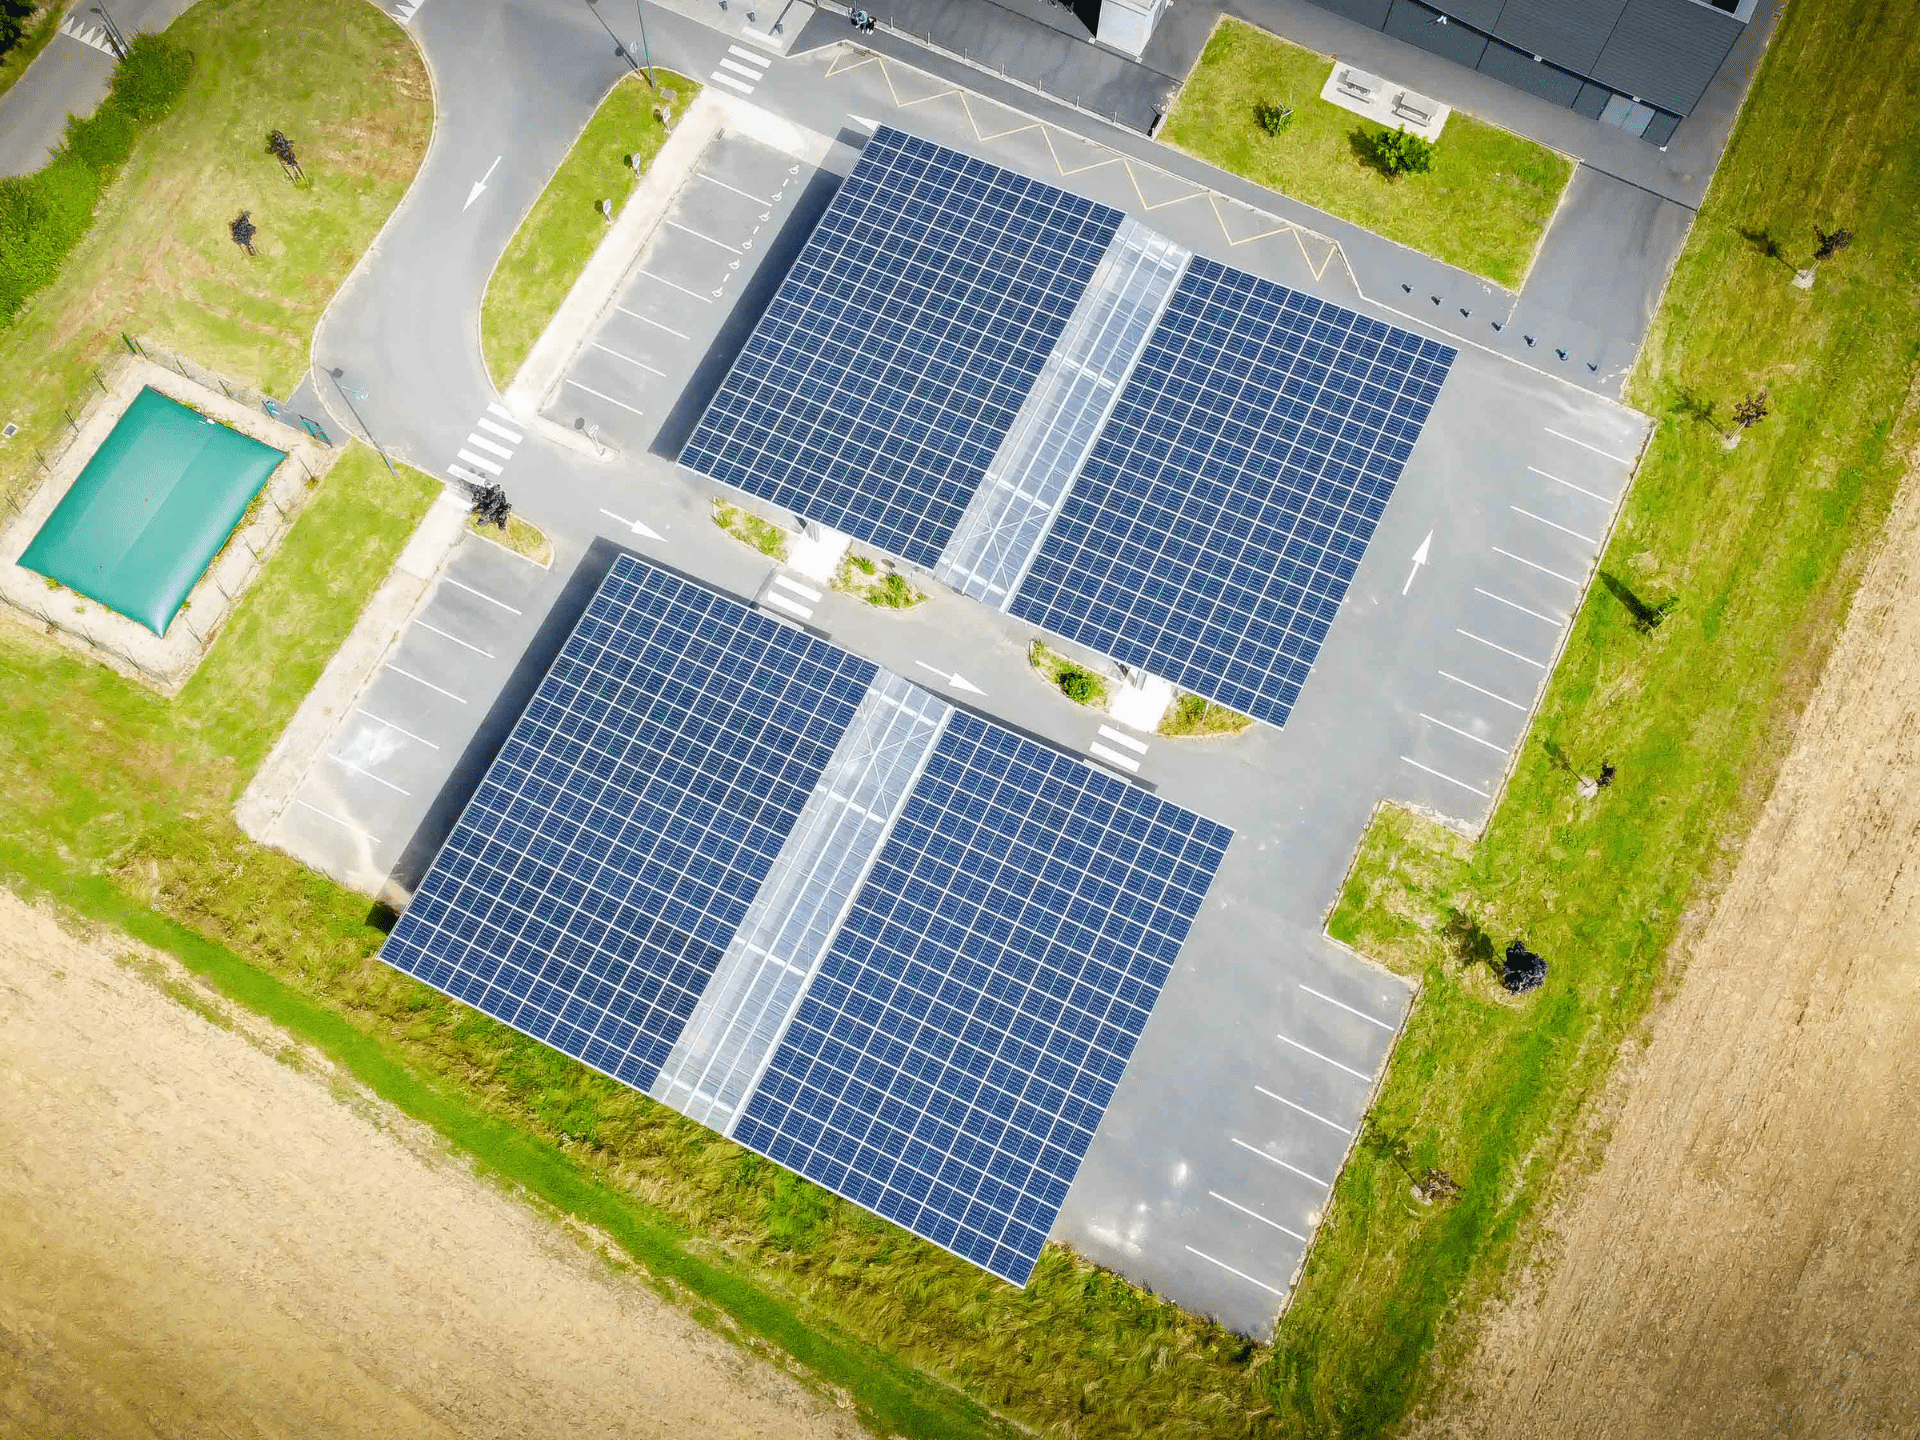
(152, 509)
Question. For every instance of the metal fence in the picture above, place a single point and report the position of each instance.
(157, 353)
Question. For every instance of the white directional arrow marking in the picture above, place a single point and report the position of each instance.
(955, 679)
(635, 526)
(1419, 559)
(481, 184)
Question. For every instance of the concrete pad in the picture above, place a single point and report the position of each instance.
(1383, 101)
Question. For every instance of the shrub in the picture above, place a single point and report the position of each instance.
(1274, 119)
(149, 82)
(1401, 152)
(1081, 686)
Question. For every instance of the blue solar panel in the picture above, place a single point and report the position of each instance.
(592, 883)
(898, 349)
(1225, 507)
(950, 1062)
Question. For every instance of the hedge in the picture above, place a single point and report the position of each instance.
(44, 215)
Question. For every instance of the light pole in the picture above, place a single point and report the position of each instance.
(647, 50)
(360, 394)
(114, 37)
(619, 45)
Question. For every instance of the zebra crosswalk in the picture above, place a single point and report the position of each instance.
(489, 446)
(1103, 749)
(741, 69)
(790, 597)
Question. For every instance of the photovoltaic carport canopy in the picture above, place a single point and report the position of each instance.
(899, 949)
(152, 509)
(1171, 461)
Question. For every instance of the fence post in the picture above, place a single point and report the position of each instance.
(98, 381)
(70, 420)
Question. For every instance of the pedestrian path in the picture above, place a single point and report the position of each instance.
(741, 69)
(490, 445)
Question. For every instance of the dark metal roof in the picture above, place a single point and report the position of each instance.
(1570, 35)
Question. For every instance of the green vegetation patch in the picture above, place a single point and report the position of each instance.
(1763, 548)
(558, 236)
(751, 530)
(24, 33)
(1484, 205)
(878, 584)
(1195, 715)
(1070, 678)
(347, 86)
(520, 537)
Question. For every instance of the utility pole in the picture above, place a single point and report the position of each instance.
(115, 37)
(619, 45)
(360, 394)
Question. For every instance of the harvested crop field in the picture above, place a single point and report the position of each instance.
(203, 1231)
(1746, 1260)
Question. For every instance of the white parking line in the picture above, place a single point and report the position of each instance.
(1235, 1204)
(1449, 675)
(608, 398)
(366, 834)
(1291, 1105)
(629, 359)
(492, 447)
(743, 194)
(1281, 1163)
(1370, 1019)
(1551, 525)
(1617, 459)
(1231, 1271)
(1501, 648)
(1555, 620)
(464, 644)
(671, 286)
(1108, 732)
(395, 728)
(688, 230)
(1541, 568)
(1590, 494)
(1358, 1075)
(461, 584)
(729, 80)
(359, 770)
(409, 675)
(1439, 775)
(502, 431)
(645, 320)
(1114, 757)
(1463, 734)
(469, 458)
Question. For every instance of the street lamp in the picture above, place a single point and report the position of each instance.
(114, 37)
(360, 394)
(647, 50)
(620, 47)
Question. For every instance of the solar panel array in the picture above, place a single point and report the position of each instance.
(1223, 511)
(593, 881)
(896, 352)
(949, 1065)
(956, 1038)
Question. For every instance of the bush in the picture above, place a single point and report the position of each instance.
(44, 215)
(14, 15)
(1401, 152)
(1081, 686)
(1274, 119)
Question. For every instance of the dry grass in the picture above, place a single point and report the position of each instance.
(752, 531)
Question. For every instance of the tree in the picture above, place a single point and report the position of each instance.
(1273, 118)
(1401, 152)
(243, 230)
(281, 149)
(491, 506)
(1081, 686)
(1751, 410)
(1830, 244)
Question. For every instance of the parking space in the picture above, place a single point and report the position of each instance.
(393, 751)
(680, 294)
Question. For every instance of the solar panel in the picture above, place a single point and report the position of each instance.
(593, 881)
(951, 1060)
(1224, 509)
(875, 390)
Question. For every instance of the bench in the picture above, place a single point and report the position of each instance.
(1359, 84)
(1416, 108)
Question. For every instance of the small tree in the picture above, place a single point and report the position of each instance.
(491, 506)
(1830, 244)
(1274, 119)
(1083, 687)
(243, 230)
(1751, 410)
(282, 150)
(1401, 152)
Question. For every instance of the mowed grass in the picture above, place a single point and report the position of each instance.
(555, 241)
(1483, 207)
(348, 88)
(1763, 548)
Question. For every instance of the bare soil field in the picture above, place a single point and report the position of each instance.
(203, 1232)
(1746, 1260)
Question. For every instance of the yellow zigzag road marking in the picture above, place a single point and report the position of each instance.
(1213, 197)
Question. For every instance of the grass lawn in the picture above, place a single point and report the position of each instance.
(519, 537)
(348, 87)
(33, 39)
(1763, 548)
(555, 241)
(1484, 207)
(1193, 715)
